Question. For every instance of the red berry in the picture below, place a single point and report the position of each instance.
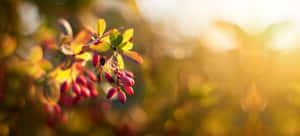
(57, 109)
(77, 99)
(94, 93)
(81, 80)
(47, 107)
(132, 82)
(96, 59)
(85, 92)
(51, 122)
(121, 73)
(76, 88)
(129, 74)
(127, 81)
(111, 93)
(90, 86)
(63, 119)
(128, 90)
(108, 77)
(122, 97)
(64, 87)
(91, 76)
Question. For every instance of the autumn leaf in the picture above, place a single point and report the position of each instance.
(127, 35)
(100, 27)
(134, 56)
(126, 46)
(80, 40)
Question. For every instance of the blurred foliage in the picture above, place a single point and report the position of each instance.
(183, 88)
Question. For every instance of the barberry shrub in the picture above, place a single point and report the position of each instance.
(72, 81)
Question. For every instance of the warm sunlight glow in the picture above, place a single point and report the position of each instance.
(218, 40)
(285, 39)
(191, 17)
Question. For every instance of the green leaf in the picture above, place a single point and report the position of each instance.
(115, 38)
(127, 35)
(101, 26)
(134, 56)
(126, 46)
(120, 61)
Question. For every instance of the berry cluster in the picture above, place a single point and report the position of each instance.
(120, 80)
(124, 81)
(82, 87)
(54, 114)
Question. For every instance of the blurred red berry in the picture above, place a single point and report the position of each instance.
(128, 90)
(85, 92)
(90, 86)
(66, 100)
(47, 107)
(132, 82)
(76, 88)
(122, 97)
(121, 73)
(81, 80)
(91, 76)
(108, 77)
(63, 119)
(57, 109)
(64, 87)
(51, 122)
(96, 59)
(111, 93)
(129, 74)
(94, 93)
(77, 99)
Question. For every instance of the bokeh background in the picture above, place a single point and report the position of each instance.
(211, 67)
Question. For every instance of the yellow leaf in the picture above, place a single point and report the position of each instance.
(101, 47)
(85, 56)
(127, 35)
(126, 46)
(59, 75)
(45, 64)
(100, 27)
(34, 70)
(36, 54)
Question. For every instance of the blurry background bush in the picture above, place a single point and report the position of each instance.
(213, 68)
